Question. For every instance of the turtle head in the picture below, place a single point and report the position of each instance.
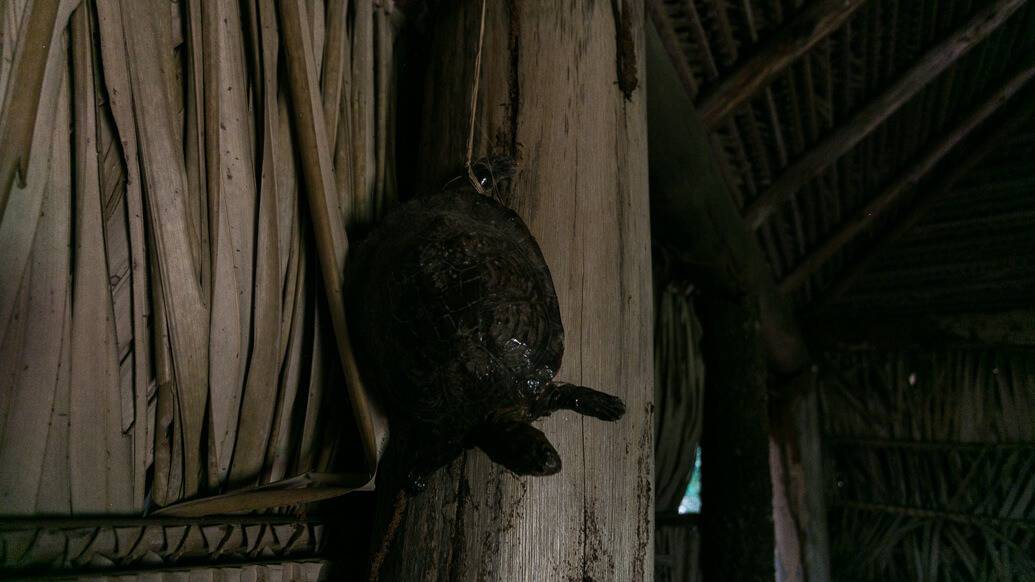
(488, 172)
(518, 446)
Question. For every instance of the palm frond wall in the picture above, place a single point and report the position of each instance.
(932, 464)
(162, 319)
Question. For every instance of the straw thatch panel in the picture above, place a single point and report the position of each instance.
(35, 547)
(678, 421)
(883, 84)
(163, 329)
(932, 464)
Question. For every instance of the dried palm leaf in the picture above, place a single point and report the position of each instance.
(102, 474)
(119, 102)
(260, 392)
(331, 242)
(42, 27)
(233, 199)
(164, 177)
(18, 221)
(32, 378)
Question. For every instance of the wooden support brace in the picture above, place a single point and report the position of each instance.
(902, 184)
(771, 58)
(845, 137)
(926, 200)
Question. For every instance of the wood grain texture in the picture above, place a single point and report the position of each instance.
(786, 46)
(862, 123)
(550, 96)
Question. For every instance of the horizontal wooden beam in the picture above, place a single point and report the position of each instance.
(771, 58)
(903, 183)
(1005, 329)
(926, 200)
(847, 136)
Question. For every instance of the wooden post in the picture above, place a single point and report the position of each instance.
(744, 316)
(845, 137)
(737, 536)
(887, 197)
(558, 90)
(794, 39)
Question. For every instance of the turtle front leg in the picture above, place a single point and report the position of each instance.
(518, 446)
(587, 401)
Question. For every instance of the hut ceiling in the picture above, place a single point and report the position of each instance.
(847, 116)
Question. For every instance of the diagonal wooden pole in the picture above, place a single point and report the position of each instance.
(931, 195)
(845, 137)
(852, 227)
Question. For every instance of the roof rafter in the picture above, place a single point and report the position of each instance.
(909, 178)
(770, 59)
(847, 136)
(988, 144)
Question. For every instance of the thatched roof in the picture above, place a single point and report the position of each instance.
(907, 72)
(881, 151)
(932, 464)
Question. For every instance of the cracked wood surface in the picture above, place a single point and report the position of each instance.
(550, 96)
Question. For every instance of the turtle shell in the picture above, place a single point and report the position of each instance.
(453, 312)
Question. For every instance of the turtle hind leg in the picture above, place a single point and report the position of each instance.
(587, 401)
(518, 446)
(424, 458)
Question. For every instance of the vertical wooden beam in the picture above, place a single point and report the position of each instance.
(550, 94)
(887, 197)
(745, 317)
(737, 535)
(845, 137)
(931, 195)
(771, 58)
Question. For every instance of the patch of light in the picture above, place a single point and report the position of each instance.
(691, 502)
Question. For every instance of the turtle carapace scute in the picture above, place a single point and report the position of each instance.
(456, 326)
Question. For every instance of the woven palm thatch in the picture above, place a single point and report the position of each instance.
(163, 318)
(679, 414)
(932, 464)
(823, 90)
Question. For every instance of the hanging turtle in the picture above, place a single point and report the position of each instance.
(456, 325)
